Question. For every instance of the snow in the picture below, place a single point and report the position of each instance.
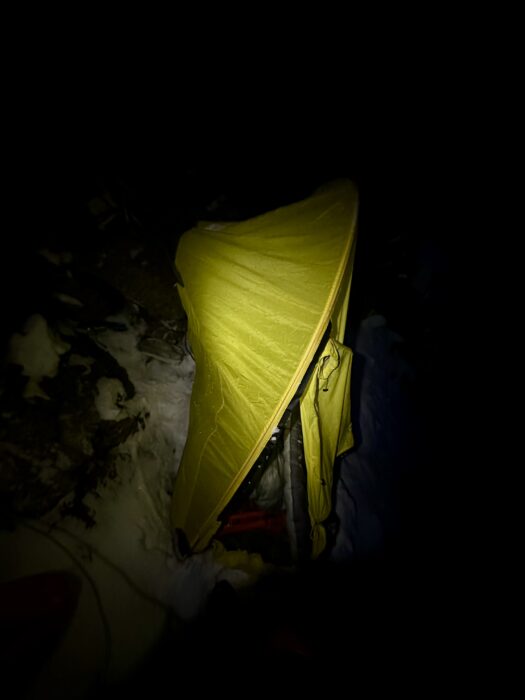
(110, 393)
(38, 351)
(128, 555)
(163, 390)
(131, 577)
(67, 299)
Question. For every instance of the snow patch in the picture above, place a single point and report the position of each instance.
(110, 395)
(66, 299)
(38, 351)
(128, 554)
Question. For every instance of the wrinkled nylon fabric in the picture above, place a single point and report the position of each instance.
(259, 295)
(327, 432)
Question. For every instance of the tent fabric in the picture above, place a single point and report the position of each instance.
(259, 296)
(327, 431)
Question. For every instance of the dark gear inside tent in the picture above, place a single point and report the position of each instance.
(267, 301)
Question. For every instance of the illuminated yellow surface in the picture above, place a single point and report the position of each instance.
(259, 295)
(327, 431)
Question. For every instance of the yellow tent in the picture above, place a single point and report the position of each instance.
(259, 296)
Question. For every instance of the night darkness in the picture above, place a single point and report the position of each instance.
(165, 176)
